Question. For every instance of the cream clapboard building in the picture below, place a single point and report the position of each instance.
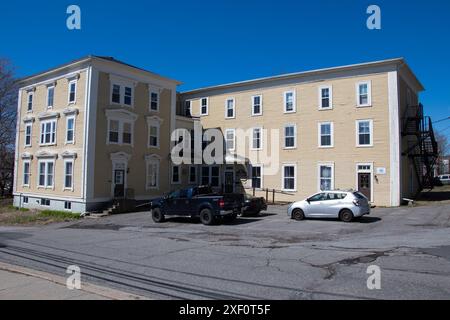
(97, 129)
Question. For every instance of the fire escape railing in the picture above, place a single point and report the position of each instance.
(424, 149)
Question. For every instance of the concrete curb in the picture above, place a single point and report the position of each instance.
(87, 287)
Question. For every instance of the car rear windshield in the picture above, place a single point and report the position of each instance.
(359, 195)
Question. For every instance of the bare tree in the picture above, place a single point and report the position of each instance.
(8, 104)
(443, 144)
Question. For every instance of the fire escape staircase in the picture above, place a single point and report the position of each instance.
(422, 147)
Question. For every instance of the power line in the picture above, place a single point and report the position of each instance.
(448, 118)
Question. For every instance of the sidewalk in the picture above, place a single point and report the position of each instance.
(27, 284)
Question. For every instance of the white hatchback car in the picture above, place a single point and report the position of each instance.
(445, 178)
(344, 205)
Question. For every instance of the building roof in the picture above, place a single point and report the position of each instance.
(400, 62)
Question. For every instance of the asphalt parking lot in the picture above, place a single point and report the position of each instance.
(265, 257)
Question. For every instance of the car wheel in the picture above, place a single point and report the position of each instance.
(206, 217)
(346, 215)
(298, 214)
(157, 215)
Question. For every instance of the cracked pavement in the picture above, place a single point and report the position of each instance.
(266, 257)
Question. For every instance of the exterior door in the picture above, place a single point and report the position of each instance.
(364, 185)
(229, 182)
(119, 183)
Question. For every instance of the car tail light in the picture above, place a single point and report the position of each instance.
(221, 203)
(356, 203)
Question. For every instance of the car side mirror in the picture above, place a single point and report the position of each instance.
(308, 200)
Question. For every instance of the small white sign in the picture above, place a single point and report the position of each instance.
(381, 170)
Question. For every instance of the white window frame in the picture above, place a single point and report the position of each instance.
(234, 139)
(207, 106)
(44, 122)
(46, 185)
(30, 94)
(319, 134)
(122, 83)
(148, 162)
(196, 175)
(121, 126)
(157, 126)
(111, 93)
(67, 130)
(172, 175)
(48, 96)
(158, 98)
(294, 101)
(325, 164)
(65, 174)
(28, 162)
(28, 125)
(261, 167)
(260, 105)
(233, 108)
(295, 136)
(260, 137)
(330, 90)
(371, 171)
(283, 176)
(369, 94)
(75, 93)
(357, 122)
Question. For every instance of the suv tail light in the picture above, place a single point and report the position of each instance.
(356, 203)
(221, 203)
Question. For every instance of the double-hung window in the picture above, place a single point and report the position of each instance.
(30, 101)
(326, 134)
(257, 105)
(46, 173)
(257, 138)
(229, 108)
(115, 95)
(48, 132)
(72, 91)
(28, 134)
(152, 181)
(257, 177)
(187, 108)
(290, 133)
(204, 106)
(50, 96)
(289, 102)
(154, 101)
(210, 176)
(26, 174)
(127, 135)
(230, 139)
(153, 136)
(68, 174)
(289, 177)
(363, 94)
(70, 129)
(122, 94)
(326, 177)
(325, 98)
(128, 96)
(176, 175)
(364, 136)
(113, 131)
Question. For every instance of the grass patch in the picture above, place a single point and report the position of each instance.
(15, 216)
(59, 214)
(11, 207)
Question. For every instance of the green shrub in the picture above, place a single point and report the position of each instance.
(59, 214)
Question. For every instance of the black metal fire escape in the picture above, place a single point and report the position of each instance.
(423, 149)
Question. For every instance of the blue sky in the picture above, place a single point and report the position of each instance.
(207, 42)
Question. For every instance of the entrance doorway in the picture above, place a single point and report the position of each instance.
(364, 180)
(119, 183)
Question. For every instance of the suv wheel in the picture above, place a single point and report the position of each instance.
(298, 214)
(206, 217)
(346, 215)
(157, 215)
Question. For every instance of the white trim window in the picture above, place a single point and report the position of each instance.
(50, 96)
(153, 135)
(113, 131)
(326, 177)
(290, 136)
(70, 130)
(230, 108)
(30, 101)
(48, 132)
(325, 97)
(257, 143)
(120, 132)
(122, 94)
(364, 133)
(192, 174)
(115, 93)
(175, 175)
(257, 176)
(154, 100)
(26, 173)
(68, 174)
(72, 91)
(127, 96)
(326, 134)
(210, 175)
(127, 132)
(28, 134)
(46, 171)
(230, 139)
(204, 106)
(152, 177)
(289, 177)
(257, 105)
(364, 94)
(289, 101)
